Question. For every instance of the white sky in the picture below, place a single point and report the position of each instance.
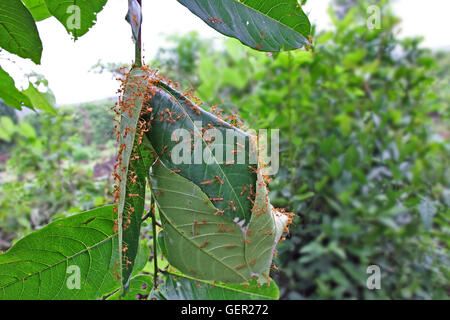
(66, 64)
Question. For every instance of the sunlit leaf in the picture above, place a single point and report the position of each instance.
(10, 94)
(77, 16)
(38, 9)
(38, 100)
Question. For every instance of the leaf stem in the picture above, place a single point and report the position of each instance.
(138, 45)
(155, 252)
(147, 215)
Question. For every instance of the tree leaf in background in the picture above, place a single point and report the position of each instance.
(181, 287)
(18, 31)
(38, 100)
(10, 94)
(207, 246)
(8, 129)
(427, 211)
(266, 25)
(44, 264)
(77, 16)
(134, 161)
(207, 166)
(38, 9)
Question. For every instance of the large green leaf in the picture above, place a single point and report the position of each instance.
(207, 246)
(10, 94)
(18, 31)
(181, 287)
(38, 9)
(266, 25)
(43, 264)
(133, 166)
(70, 12)
(177, 120)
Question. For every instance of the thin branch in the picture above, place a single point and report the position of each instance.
(148, 215)
(155, 254)
(138, 46)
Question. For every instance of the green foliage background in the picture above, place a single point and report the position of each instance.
(364, 154)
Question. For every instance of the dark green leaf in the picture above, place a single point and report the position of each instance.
(266, 25)
(18, 31)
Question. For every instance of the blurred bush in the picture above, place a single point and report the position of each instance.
(56, 165)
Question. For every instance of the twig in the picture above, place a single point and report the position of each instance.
(149, 214)
(138, 53)
(155, 254)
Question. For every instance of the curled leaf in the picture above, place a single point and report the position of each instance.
(134, 17)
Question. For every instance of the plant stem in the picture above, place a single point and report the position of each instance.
(138, 46)
(155, 253)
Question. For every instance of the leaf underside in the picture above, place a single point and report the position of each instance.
(173, 112)
(207, 246)
(180, 287)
